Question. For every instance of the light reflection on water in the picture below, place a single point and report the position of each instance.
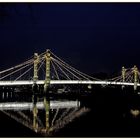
(63, 112)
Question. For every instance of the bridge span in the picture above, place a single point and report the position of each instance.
(48, 69)
(64, 82)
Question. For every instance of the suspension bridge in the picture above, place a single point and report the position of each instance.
(39, 73)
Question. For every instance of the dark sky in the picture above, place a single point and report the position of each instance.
(93, 37)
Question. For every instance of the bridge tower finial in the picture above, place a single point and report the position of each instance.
(135, 71)
(46, 85)
(123, 75)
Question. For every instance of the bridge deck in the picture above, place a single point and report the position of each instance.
(56, 82)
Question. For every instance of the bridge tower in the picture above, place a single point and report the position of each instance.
(123, 75)
(135, 71)
(35, 88)
(46, 85)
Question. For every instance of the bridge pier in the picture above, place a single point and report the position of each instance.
(35, 90)
(35, 112)
(6, 93)
(123, 75)
(135, 71)
(46, 85)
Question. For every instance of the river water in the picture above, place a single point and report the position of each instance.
(110, 116)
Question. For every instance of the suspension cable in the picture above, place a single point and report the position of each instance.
(14, 71)
(55, 70)
(62, 70)
(23, 74)
(74, 68)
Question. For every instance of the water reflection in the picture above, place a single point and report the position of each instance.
(20, 107)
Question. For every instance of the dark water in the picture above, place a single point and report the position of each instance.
(109, 117)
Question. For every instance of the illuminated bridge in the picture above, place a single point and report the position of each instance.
(39, 74)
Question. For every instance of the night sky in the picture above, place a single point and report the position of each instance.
(92, 37)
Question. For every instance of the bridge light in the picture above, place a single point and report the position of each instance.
(3, 95)
(89, 87)
(135, 112)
